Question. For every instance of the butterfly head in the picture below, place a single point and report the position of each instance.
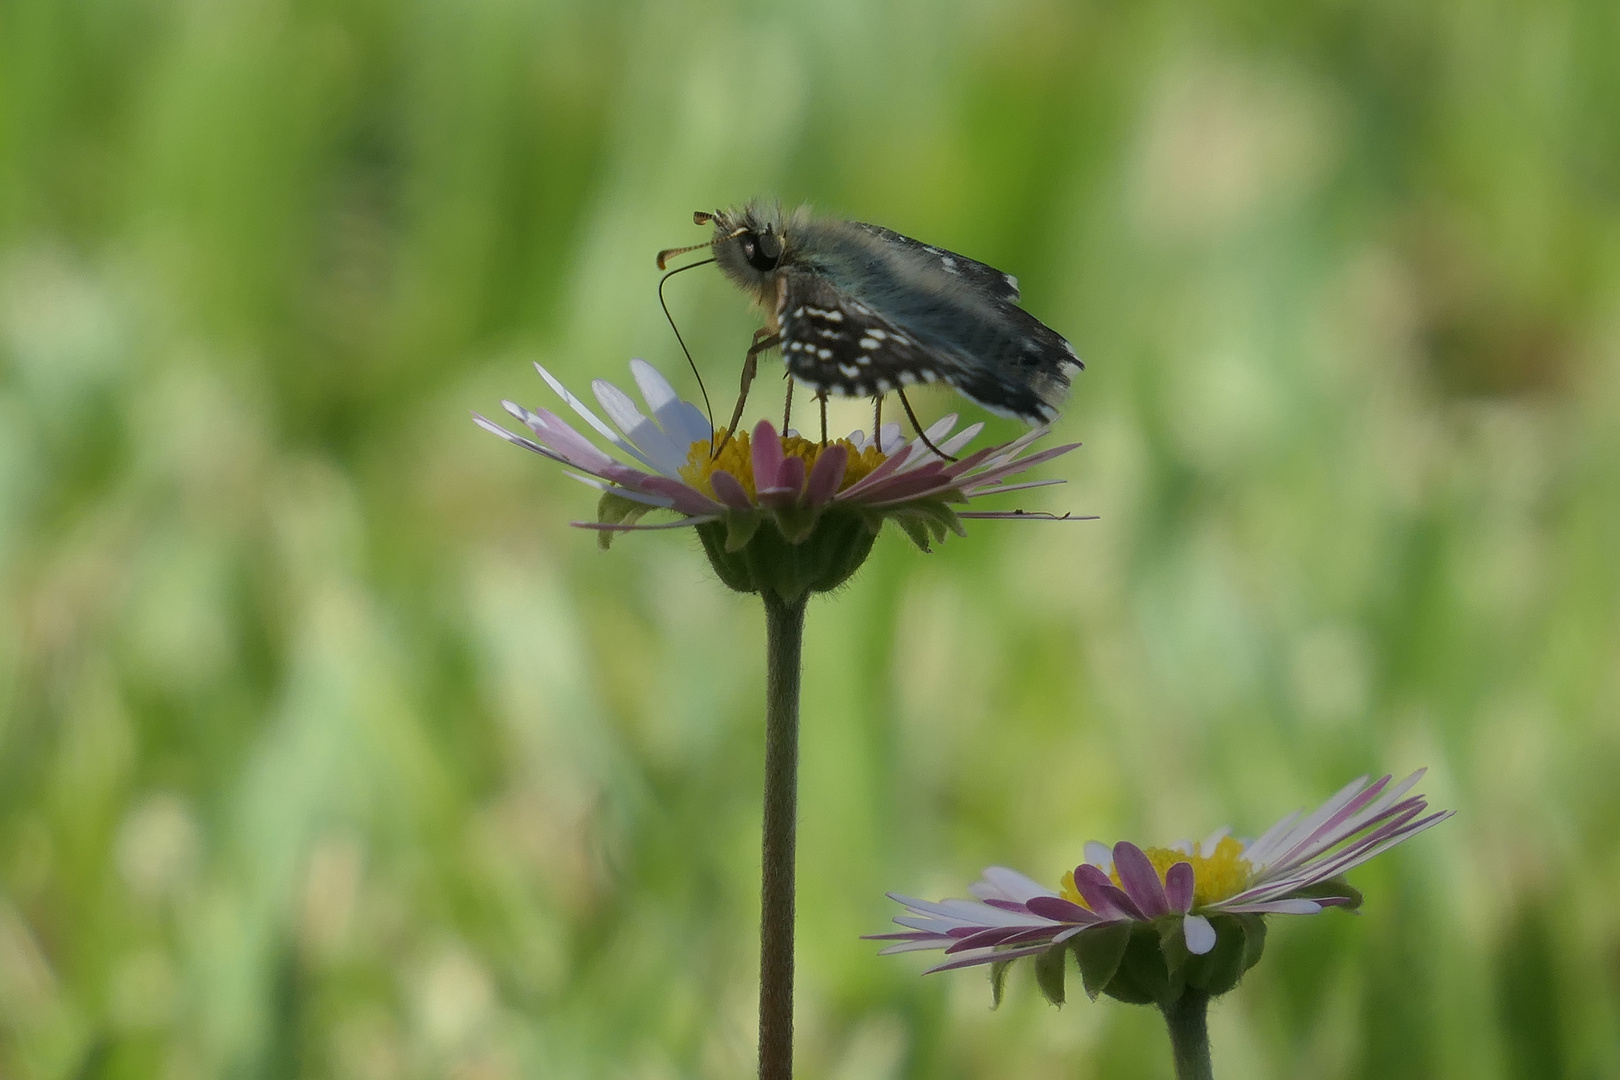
(751, 244)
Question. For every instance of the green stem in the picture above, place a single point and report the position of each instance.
(784, 640)
(1189, 1035)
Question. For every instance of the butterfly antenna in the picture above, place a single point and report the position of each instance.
(704, 390)
(921, 434)
(669, 253)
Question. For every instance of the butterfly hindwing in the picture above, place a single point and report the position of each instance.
(834, 342)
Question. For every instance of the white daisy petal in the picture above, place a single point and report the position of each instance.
(1200, 935)
(661, 501)
(681, 420)
(1014, 886)
(591, 418)
(660, 449)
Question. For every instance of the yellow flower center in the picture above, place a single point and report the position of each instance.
(736, 458)
(1215, 876)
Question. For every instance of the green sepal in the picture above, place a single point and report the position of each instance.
(929, 520)
(795, 522)
(1144, 978)
(1254, 938)
(767, 561)
(873, 518)
(614, 509)
(1049, 972)
(740, 528)
(1173, 945)
(998, 981)
(915, 530)
(1218, 971)
(1099, 951)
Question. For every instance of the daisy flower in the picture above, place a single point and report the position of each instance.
(665, 459)
(1147, 923)
(784, 517)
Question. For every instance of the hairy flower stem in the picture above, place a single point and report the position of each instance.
(784, 641)
(1189, 1035)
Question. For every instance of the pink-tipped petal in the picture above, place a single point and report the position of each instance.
(971, 462)
(826, 476)
(1178, 887)
(603, 526)
(1328, 832)
(1140, 880)
(596, 422)
(885, 469)
(626, 476)
(918, 945)
(518, 440)
(766, 450)
(1098, 855)
(983, 939)
(1002, 489)
(687, 499)
(633, 494)
(1275, 907)
(553, 432)
(789, 484)
(990, 956)
(996, 472)
(1272, 844)
(1103, 896)
(1199, 933)
(1060, 910)
(729, 490)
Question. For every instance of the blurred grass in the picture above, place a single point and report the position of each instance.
(327, 749)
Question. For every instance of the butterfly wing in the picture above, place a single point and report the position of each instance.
(992, 283)
(834, 342)
(966, 315)
(865, 310)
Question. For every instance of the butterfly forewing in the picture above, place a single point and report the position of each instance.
(992, 283)
(834, 342)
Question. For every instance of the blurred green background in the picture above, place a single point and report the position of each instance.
(328, 749)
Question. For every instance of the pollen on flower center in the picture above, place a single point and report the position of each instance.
(736, 458)
(1216, 876)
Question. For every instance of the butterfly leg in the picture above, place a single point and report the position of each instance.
(877, 420)
(763, 340)
(918, 428)
(821, 396)
(787, 407)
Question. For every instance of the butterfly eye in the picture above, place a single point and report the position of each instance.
(762, 251)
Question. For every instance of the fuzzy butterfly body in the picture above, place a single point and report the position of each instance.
(863, 311)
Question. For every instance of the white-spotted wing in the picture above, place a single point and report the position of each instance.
(992, 283)
(833, 342)
(1000, 356)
